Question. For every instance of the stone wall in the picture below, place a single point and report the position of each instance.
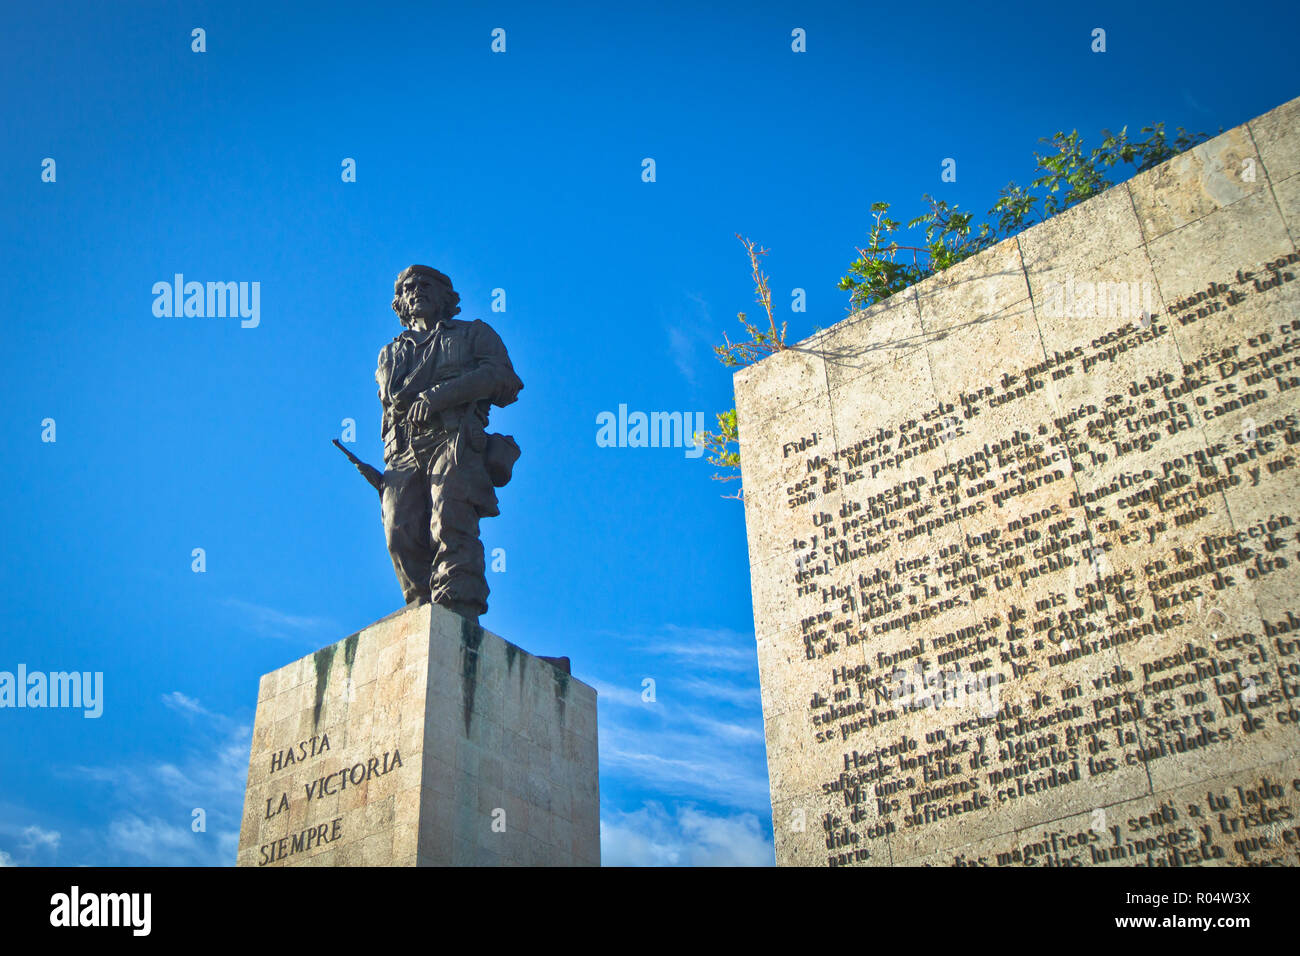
(1024, 540)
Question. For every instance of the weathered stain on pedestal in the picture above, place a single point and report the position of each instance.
(1024, 540)
(421, 749)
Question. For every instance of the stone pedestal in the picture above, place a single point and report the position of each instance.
(422, 740)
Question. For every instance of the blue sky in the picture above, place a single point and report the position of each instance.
(519, 171)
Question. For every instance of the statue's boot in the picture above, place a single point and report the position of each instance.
(468, 610)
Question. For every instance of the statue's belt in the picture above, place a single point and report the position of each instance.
(500, 452)
(445, 424)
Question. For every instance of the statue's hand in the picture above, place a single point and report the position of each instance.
(421, 413)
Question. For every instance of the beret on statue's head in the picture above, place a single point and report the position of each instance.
(449, 297)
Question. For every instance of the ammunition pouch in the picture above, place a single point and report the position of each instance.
(393, 442)
(499, 457)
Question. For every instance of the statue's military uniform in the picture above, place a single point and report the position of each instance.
(439, 477)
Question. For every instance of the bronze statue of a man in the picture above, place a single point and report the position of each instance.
(437, 381)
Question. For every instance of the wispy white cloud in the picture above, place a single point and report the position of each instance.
(683, 352)
(746, 695)
(34, 838)
(153, 819)
(690, 336)
(155, 841)
(270, 622)
(1194, 102)
(607, 693)
(186, 705)
(688, 765)
(685, 836)
(676, 713)
(721, 656)
(28, 844)
(96, 774)
(671, 708)
(729, 729)
(701, 737)
(716, 648)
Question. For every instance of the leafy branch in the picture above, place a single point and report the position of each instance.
(1065, 176)
(722, 448)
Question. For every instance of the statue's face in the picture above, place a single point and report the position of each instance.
(420, 301)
